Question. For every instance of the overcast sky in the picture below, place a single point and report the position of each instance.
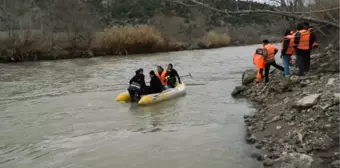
(261, 1)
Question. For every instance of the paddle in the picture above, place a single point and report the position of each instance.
(186, 75)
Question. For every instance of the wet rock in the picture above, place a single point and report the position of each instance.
(256, 155)
(248, 76)
(251, 139)
(268, 163)
(247, 116)
(307, 101)
(238, 90)
(336, 97)
(330, 81)
(273, 155)
(258, 146)
(336, 164)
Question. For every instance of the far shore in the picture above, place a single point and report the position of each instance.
(29, 45)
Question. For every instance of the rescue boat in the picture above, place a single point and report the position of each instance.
(170, 93)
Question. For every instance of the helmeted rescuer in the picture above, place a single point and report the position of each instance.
(137, 85)
(287, 50)
(171, 76)
(258, 61)
(303, 41)
(161, 74)
(269, 58)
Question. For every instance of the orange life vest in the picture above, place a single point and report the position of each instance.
(304, 40)
(258, 58)
(290, 49)
(315, 43)
(162, 77)
(270, 52)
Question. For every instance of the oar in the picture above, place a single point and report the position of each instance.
(186, 75)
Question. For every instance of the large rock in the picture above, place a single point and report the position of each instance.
(337, 97)
(307, 101)
(330, 81)
(237, 91)
(248, 76)
(295, 160)
(336, 164)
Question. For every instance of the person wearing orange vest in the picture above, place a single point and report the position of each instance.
(269, 58)
(315, 44)
(291, 57)
(303, 44)
(161, 74)
(287, 50)
(258, 61)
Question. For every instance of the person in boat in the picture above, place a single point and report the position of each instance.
(137, 85)
(171, 76)
(161, 75)
(156, 85)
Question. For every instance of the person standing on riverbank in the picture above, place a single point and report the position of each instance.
(303, 44)
(258, 61)
(313, 44)
(269, 58)
(287, 50)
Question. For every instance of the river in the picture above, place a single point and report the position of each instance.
(63, 114)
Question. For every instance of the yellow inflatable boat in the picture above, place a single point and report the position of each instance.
(154, 98)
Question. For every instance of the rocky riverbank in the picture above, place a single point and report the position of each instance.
(296, 124)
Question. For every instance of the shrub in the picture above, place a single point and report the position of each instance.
(134, 39)
(213, 39)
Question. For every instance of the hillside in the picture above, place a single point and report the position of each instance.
(58, 29)
(188, 23)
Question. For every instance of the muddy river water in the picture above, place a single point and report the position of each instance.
(63, 114)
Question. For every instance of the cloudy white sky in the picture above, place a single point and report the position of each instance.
(261, 1)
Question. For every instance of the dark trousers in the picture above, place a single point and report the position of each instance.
(135, 93)
(172, 82)
(267, 69)
(303, 61)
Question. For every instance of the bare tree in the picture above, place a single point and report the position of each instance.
(295, 10)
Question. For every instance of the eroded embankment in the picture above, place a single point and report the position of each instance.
(297, 119)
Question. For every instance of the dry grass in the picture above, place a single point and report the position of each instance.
(36, 45)
(213, 40)
(29, 45)
(126, 40)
